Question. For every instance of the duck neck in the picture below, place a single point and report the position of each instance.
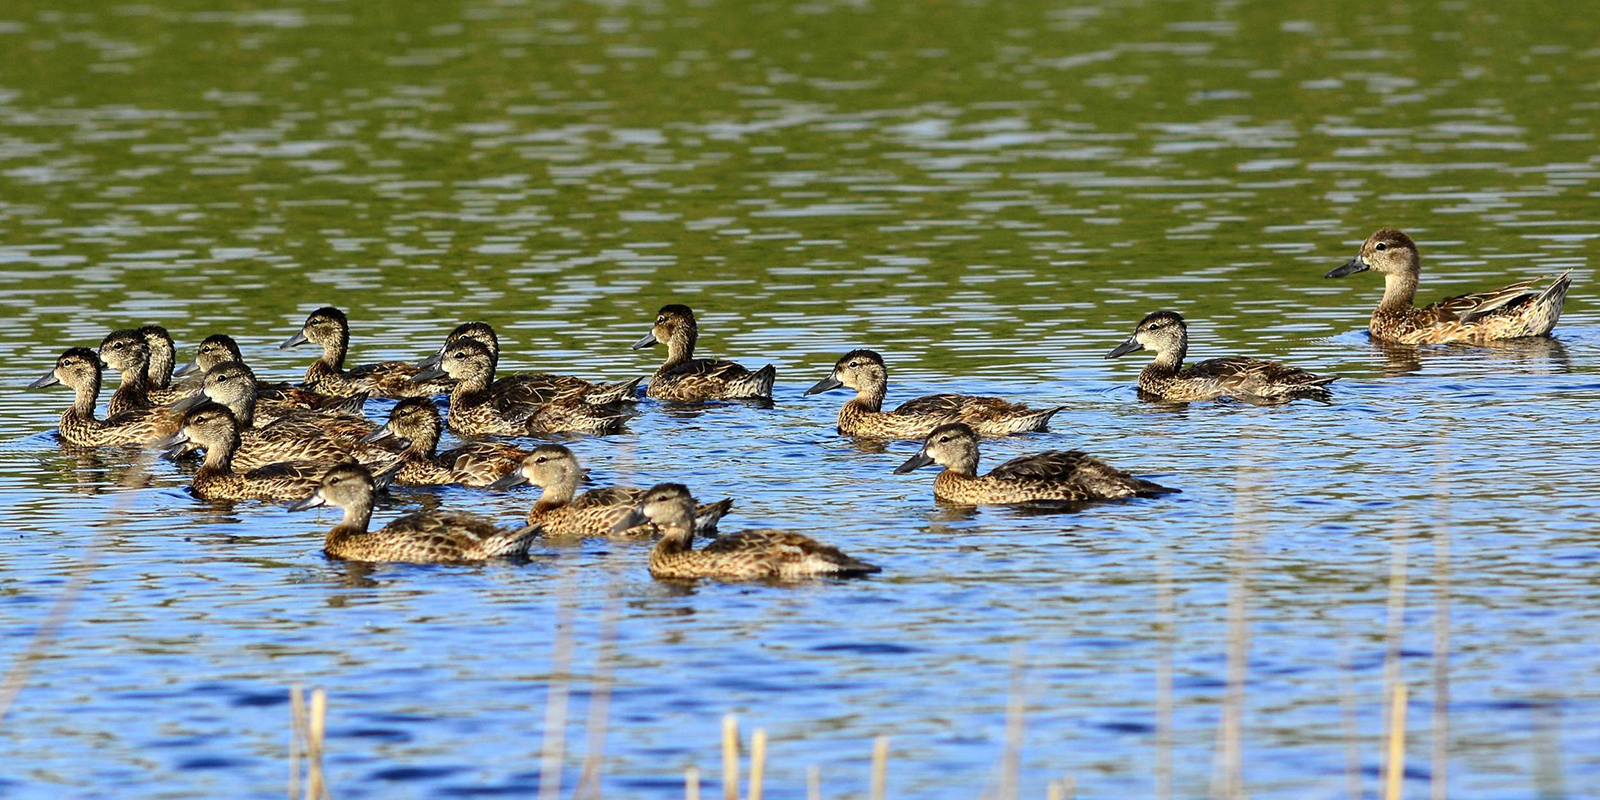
(158, 373)
(85, 397)
(869, 396)
(219, 454)
(677, 536)
(334, 350)
(357, 516)
(680, 347)
(426, 440)
(243, 407)
(469, 390)
(1169, 361)
(559, 492)
(965, 465)
(1399, 291)
(133, 391)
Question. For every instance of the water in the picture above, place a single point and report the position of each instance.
(991, 194)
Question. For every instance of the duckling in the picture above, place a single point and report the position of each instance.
(80, 369)
(477, 464)
(1250, 379)
(329, 328)
(864, 371)
(272, 398)
(475, 411)
(594, 513)
(746, 555)
(158, 372)
(127, 352)
(1053, 475)
(422, 538)
(1510, 312)
(534, 388)
(294, 436)
(686, 379)
(214, 428)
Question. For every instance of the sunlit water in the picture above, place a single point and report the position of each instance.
(991, 194)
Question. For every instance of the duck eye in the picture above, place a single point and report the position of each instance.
(944, 438)
(854, 364)
(1381, 246)
(540, 460)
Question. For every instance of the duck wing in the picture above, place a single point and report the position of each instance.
(608, 496)
(1469, 308)
(709, 368)
(1252, 376)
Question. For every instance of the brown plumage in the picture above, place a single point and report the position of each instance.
(1053, 475)
(686, 379)
(422, 538)
(128, 352)
(294, 436)
(1250, 379)
(416, 420)
(561, 511)
(476, 411)
(533, 388)
(213, 427)
(80, 369)
(329, 328)
(158, 371)
(746, 555)
(865, 372)
(273, 399)
(1510, 312)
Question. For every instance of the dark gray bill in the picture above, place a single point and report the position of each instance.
(431, 361)
(310, 502)
(189, 402)
(431, 374)
(1128, 346)
(1350, 267)
(509, 480)
(49, 379)
(381, 433)
(298, 338)
(634, 519)
(649, 340)
(916, 462)
(827, 384)
(185, 369)
(172, 442)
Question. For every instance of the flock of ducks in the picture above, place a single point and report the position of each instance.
(310, 443)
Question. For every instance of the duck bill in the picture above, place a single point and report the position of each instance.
(916, 462)
(649, 340)
(172, 442)
(297, 339)
(49, 379)
(634, 519)
(509, 480)
(827, 384)
(431, 361)
(430, 374)
(1350, 267)
(316, 499)
(1125, 348)
(185, 369)
(378, 435)
(189, 402)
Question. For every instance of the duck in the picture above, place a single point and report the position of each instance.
(158, 372)
(128, 352)
(534, 388)
(864, 371)
(330, 328)
(1510, 312)
(686, 379)
(746, 555)
(1253, 380)
(292, 436)
(213, 427)
(476, 411)
(564, 512)
(80, 369)
(421, 538)
(272, 398)
(477, 464)
(1049, 476)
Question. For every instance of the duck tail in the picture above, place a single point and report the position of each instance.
(512, 542)
(707, 516)
(608, 393)
(763, 379)
(1548, 305)
(570, 417)
(353, 404)
(384, 472)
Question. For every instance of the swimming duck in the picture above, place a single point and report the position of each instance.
(422, 538)
(330, 328)
(564, 512)
(214, 428)
(158, 372)
(686, 379)
(272, 398)
(746, 555)
(80, 369)
(478, 464)
(475, 411)
(293, 436)
(864, 371)
(1250, 379)
(534, 388)
(1053, 475)
(1510, 312)
(128, 352)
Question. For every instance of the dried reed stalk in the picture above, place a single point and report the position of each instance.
(316, 727)
(691, 784)
(730, 757)
(553, 748)
(1395, 771)
(880, 767)
(813, 783)
(758, 762)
